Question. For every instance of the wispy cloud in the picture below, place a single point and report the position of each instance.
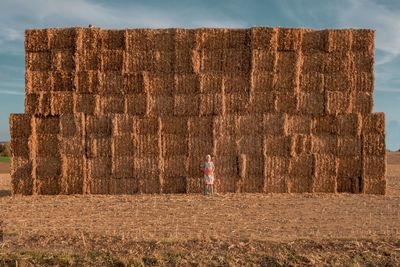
(9, 92)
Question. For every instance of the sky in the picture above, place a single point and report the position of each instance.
(382, 16)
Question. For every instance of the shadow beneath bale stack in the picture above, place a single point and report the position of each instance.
(5, 193)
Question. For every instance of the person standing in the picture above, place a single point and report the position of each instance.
(208, 170)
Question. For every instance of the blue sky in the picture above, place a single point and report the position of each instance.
(383, 16)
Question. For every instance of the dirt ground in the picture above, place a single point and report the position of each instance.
(261, 223)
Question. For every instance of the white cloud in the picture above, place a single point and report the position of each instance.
(9, 92)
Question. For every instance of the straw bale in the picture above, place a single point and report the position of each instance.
(377, 187)
(374, 123)
(138, 39)
(201, 126)
(276, 171)
(122, 145)
(236, 39)
(91, 38)
(227, 165)
(187, 84)
(31, 103)
(325, 166)
(145, 126)
(349, 184)
(147, 167)
(263, 60)
(19, 147)
(338, 102)
(236, 61)
(88, 60)
(363, 81)
(226, 145)
(62, 103)
(236, 83)
(301, 144)
(253, 184)
(312, 103)
(111, 104)
(98, 147)
(362, 102)
(21, 167)
(338, 82)
(339, 40)
(287, 102)
(374, 167)
(187, 105)
(324, 144)
(315, 41)
(349, 167)
(200, 146)
(174, 185)
(227, 183)
(149, 184)
(255, 166)
(311, 82)
(194, 185)
(72, 169)
(250, 144)
(87, 82)
(313, 63)
(38, 81)
(250, 125)
(337, 63)
(287, 62)
(63, 60)
(113, 39)
(275, 124)
(278, 146)
(112, 60)
(99, 126)
(302, 167)
(72, 146)
(46, 125)
(137, 61)
(225, 125)
(20, 125)
(264, 38)
(71, 125)
(38, 61)
(174, 145)
(100, 186)
(36, 40)
(163, 39)
(113, 83)
(174, 125)
(122, 124)
(47, 145)
(137, 104)
(146, 145)
(211, 38)
(325, 125)
(211, 104)
(300, 184)
(212, 61)
(99, 168)
(287, 82)
(363, 40)
(297, 124)
(44, 107)
(65, 38)
(211, 83)
(134, 83)
(47, 186)
(349, 124)
(262, 102)
(124, 186)
(21, 185)
(373, 144)
(85, 103)
(175, 166)
(164, 62)
(289, 39)
(48, 167)
(161, 84)
(187, 61)
(236, 102)
(349, 146)
(324, 184)
(263, 81)
(363, 62)
(122, 167)
(185, 39)
(195, 162)
(62, 81)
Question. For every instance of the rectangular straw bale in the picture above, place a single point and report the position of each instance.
(113, 39)
(374, 186)
(263, 60)
(275, 124)
(313, 63)
(324, 144)
(122, 167)
(71, 185)
(88, 82)
(350, 166)
(187, 84)
(287, 62)
(374, 167)
(363, 62)
(237, 61)
(287, 102)
(312, 82)
(111, 104)
(72, 167)
(122, 124)
(255, 165)
(253, 184)
(62, 81)
(99, 168)
(226, 145)
(314, 41)
(21, 167)
(212, 61)
(211, 104)
(161, 84)
(301, 144)
(363, 81)
(211, 38)
(147, 167)
(112, 60)
(124, 186)
(62, 103)
(134, 83)
(276, 171)
(91, 38)
(349, 146)
(297, 124)
(113, 83)
(262, 102)
(72, 146)
(374, 123)
(46, 125)
(211, 83)
(175, 166)
(312, 103)
(19, 147)
(71, 125)
(278, 146)
(187, 61)
(187, 105)
(373, 144)
(100, 186)
(201, 126)
(20, 125)
(263, 81)
(200, 146)
(194, 185)
(225, 125)
(324, 184)
(195, 165)
(289, 39)
(48, 167)
(36, 40)
(146, 145)
(236, 102)
(287, 82)
(163, 39)
(145, 126)
(363, 40)
(137, 104)
(32, 103)
(337, 63)
(174, 125)
(174, 145)
(21, 185)
(339, 40)
(185, 39)
(63, 38)
(250, 125)
(163, 62)
(44, 102)
(325, 165)
(302, 167)
(338, 102)
(87, 60)
(85, 103)
(63, 60)
(38, 61)
(236, 83)
(137, 61)
(362, 102)
(99, 126)
(325, 125)
(264, 38)
(300, 184)
(138, 39)
(227, 165)
(38, 81)
(47, 186)
(97, 147)
(337, 82)
(250, 144)
(122, 145)
(236, 39)
(349, 124)
(226, 183)
(174, 185)
(47, 145)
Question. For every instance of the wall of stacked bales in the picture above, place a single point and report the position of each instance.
(136, 111)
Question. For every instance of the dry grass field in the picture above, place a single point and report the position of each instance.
(229, 229)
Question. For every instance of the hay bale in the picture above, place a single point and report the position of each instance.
(137, 61)
(88, 82)
(338, 102)
(47, 186)
(174, 185)
(163, 62)
(99, 168)
(337, 82)
(124, 186)
(98, 147)
(289, 39)
(373, 144)
(47, 167)
(137, 104)
(146, 145)
(314, 41)
(163, 39)
(71, 125)
(122, 124)
(324, 144)
(226, 145)
(225, 125)
(337, 63)
(160, 85)
(148, 172)
(325, 125)
(287, 102)
(21, 176)
(263, 81)
(46, 125)
(187, 84)
(201, 126)
(186, 105)
(19, 147)
(72, 175)
(376, 187)
(146, 126)
(187, 61)
(100, 186)
(255, 166)
(65, 38)
(185, 39)
(174, 125)
(122, 145)
(111, 104)
(301, 144)
(113, 39)
(20, 125)
(349, 146)
(85, 103)
(276, 171)
(90, 39)
(199, 147)
(99, 126)
(297, 124)
(287, 62)
(123, 166)
(38, 61)
(250, 125)
(363, 40)
(113, 83)
(261, 102)
(349, 124)
(194, 185)
(250, 144)
(63, 60)
(72, 146)
(62, 103)
(174, 145)
(38, 81)
(62, 81)
(113, 60)
(374, 167)
(348, 167)
(47, 145)
(36, 40)
(313, 63)
(88, 60)
(138, 39)
(301, 167)
(211, 38)
(32, 103)
(278, 146)
(134, 83)
(374, 123)
(312, 103)
(339, 40)
(236, 83)
(275, 124)
(236, 103)
(211, 83)
(264, 60)
(362, 102)
(236, 39)
(236, 61)
(311, 82)
(175, 166)
(325, 166)
(212, 61)
(363, 81)
(253, 184)
(287, 82)
(264, 38)
(363, 62)
(211, 104)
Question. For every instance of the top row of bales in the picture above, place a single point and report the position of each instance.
(270, 39)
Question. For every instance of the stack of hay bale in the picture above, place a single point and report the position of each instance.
(136, 111)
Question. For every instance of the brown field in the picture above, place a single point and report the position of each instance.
(229, 229)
